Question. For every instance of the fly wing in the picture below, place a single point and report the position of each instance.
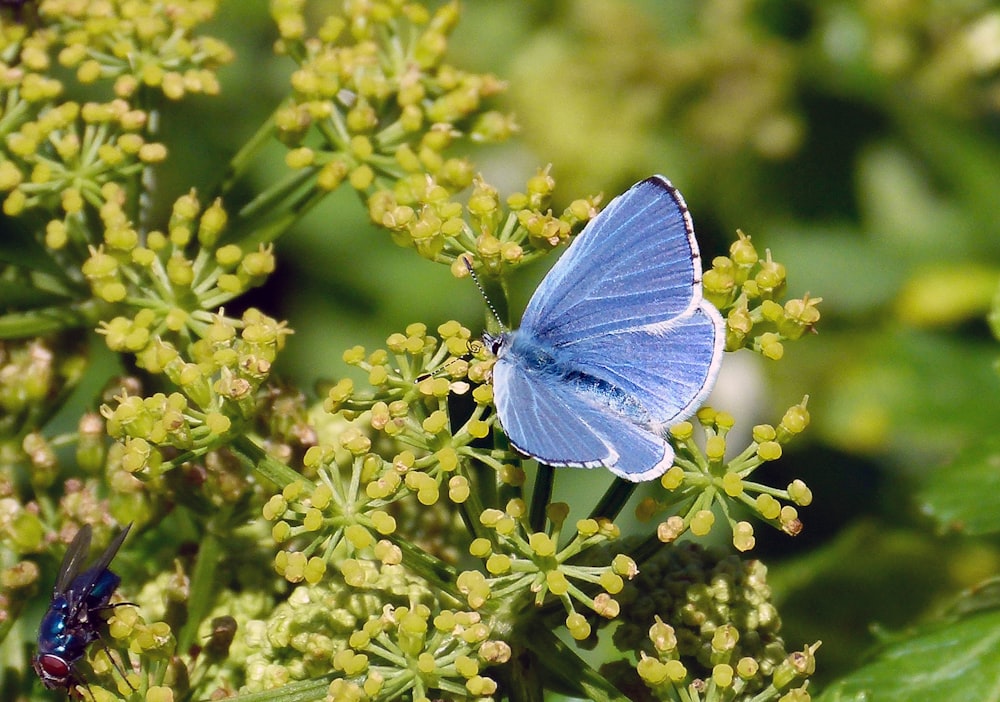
(84, 583)
(635, 264)
(73, 561)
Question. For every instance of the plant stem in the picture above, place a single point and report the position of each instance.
(201, 598)
(614, 499)
(541, 496)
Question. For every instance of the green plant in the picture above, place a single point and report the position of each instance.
(416, 554)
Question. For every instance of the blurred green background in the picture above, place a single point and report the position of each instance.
(857, 140)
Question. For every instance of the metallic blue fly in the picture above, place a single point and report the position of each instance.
(73, 621)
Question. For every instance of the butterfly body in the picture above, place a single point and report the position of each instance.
(615, 345)
(73, 620)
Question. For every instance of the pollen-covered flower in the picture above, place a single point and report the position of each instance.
(535, 567)
(417, 651)
(373, 101)
(216, 386)
(706, 475)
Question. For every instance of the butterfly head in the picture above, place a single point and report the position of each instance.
(494, 342)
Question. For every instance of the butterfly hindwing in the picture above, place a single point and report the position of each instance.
(669, 370)
(586, 437)
(534, 418)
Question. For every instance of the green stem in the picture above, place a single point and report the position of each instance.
(295, 210)
(239, 163)
(38, 322)
(269, 200)
(541, 496)
(614, 499)
(472, 509)
(263, 465)
(562, 664)
(203, 587)
(302, 691)
(436, 572)
(523, 683)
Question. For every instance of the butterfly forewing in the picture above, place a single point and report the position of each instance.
(634, 265)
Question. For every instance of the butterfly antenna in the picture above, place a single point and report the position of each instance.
(482, 291)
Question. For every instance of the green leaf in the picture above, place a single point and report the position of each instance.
(302, 691)
(20, 248)
(38, 322)
(21, 295)
(921, 395)
(561, 663)
(952, 662)
(964, 496)
(969, 159)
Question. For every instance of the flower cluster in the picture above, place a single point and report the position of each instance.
(417, 556)
(746, 289)
(176, 276)
(415, 652)
(944, 57)
(421, 214)
(373, 101)
(150, 642)
(135, 44)
(388, 444)
(338, 522)
(35, 376)
(22, 533)
(299, 637)
(56, 156)
(522, 564)
(715, 638)
(412, 381)
(217, 386)
(702, 479)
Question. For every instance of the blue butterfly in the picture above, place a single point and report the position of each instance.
(615, 345)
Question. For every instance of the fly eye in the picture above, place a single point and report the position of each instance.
(54, 666)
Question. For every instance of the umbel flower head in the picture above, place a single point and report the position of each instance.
(410, 557)
(703, 622)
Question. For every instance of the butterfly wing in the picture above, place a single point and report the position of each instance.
(560, 426)
(541, 420)
(635, 264)
(615, 344)
(668, 369)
